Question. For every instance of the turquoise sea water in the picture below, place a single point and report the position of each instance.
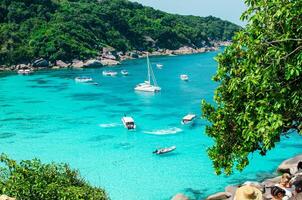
(49, 116)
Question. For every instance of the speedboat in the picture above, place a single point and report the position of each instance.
(124, 72)
(184, 77)
(147, 86)
(109, 73)
(25, 71)
(83, 79)
(164, 150)
(159, 66)
(128, 123)
(188, 119)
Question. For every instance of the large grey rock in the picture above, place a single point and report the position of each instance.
(180, 197)
(219, 196)
(271, 182)
(231, 189)
(93, 63)
(290, 165)
(40, 63)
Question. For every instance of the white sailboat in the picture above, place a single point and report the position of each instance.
(147, 86)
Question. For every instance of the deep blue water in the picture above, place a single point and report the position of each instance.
(49, 116)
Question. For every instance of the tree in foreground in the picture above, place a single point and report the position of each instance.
(259, 97)
(32, 180)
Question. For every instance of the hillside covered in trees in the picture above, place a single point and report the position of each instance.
(68, 29)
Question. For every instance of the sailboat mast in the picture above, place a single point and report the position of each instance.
(148, 65)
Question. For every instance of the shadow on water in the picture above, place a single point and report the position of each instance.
(168, 154)
(123, 145)
(6, 135)
(101, 138)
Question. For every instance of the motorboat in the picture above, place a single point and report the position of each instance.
(159, 66)
(124, 72)
(83, 79)
(25, 71)
(147, 86)
(164, 150)
(128, 123)
(184, 77)
(188, 119)
(109, 73)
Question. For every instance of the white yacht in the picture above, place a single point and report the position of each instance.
(25, 71)
(124, 72)
(147, 86)
(188, 119)
(159, 66)
(109, 73)
(128, 123)
(83, 79)
(184, 77)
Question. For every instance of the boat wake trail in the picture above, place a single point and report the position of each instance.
(168, 131)
(110, 125)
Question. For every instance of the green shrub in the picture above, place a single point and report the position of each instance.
(33, 180)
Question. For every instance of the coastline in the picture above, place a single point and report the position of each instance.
(110, 57)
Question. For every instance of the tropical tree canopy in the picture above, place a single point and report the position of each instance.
(259, 97)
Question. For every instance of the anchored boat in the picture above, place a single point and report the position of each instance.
(147, 86)
(128, 123)
(188, 119)
(109, 73)
(83, 79)
(184, 77)
(164, 150)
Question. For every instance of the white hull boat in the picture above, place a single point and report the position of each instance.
(164, 150)
(25, 71)
(159, 66)
(83, 79)
(147, 86)
(124, 72)
(109, 73)
(188, 119)
(129, 123)
(184, 77)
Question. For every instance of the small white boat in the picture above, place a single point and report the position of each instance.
(83, 79)
(109, 73)
(129, 123)
(159, 66)
(188, 119)
(124, 72)
(184, 77)
(147, 86)
(25, 71)
(164, 150)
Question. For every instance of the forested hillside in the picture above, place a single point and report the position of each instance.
(68, 29)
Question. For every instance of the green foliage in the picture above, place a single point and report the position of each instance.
(68, 29)
(260, 93)
(32, 180)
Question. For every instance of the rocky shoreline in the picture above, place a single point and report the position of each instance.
(109, 57)
(287, 166)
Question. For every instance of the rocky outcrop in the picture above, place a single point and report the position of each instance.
(5, 197)
(77, 64)
(93, 63)
(220, 196)
(109, 62)
(62, 64)
(290, 165)
(40, 63)
(180, 197)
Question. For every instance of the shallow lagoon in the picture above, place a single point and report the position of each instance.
(49, 116)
